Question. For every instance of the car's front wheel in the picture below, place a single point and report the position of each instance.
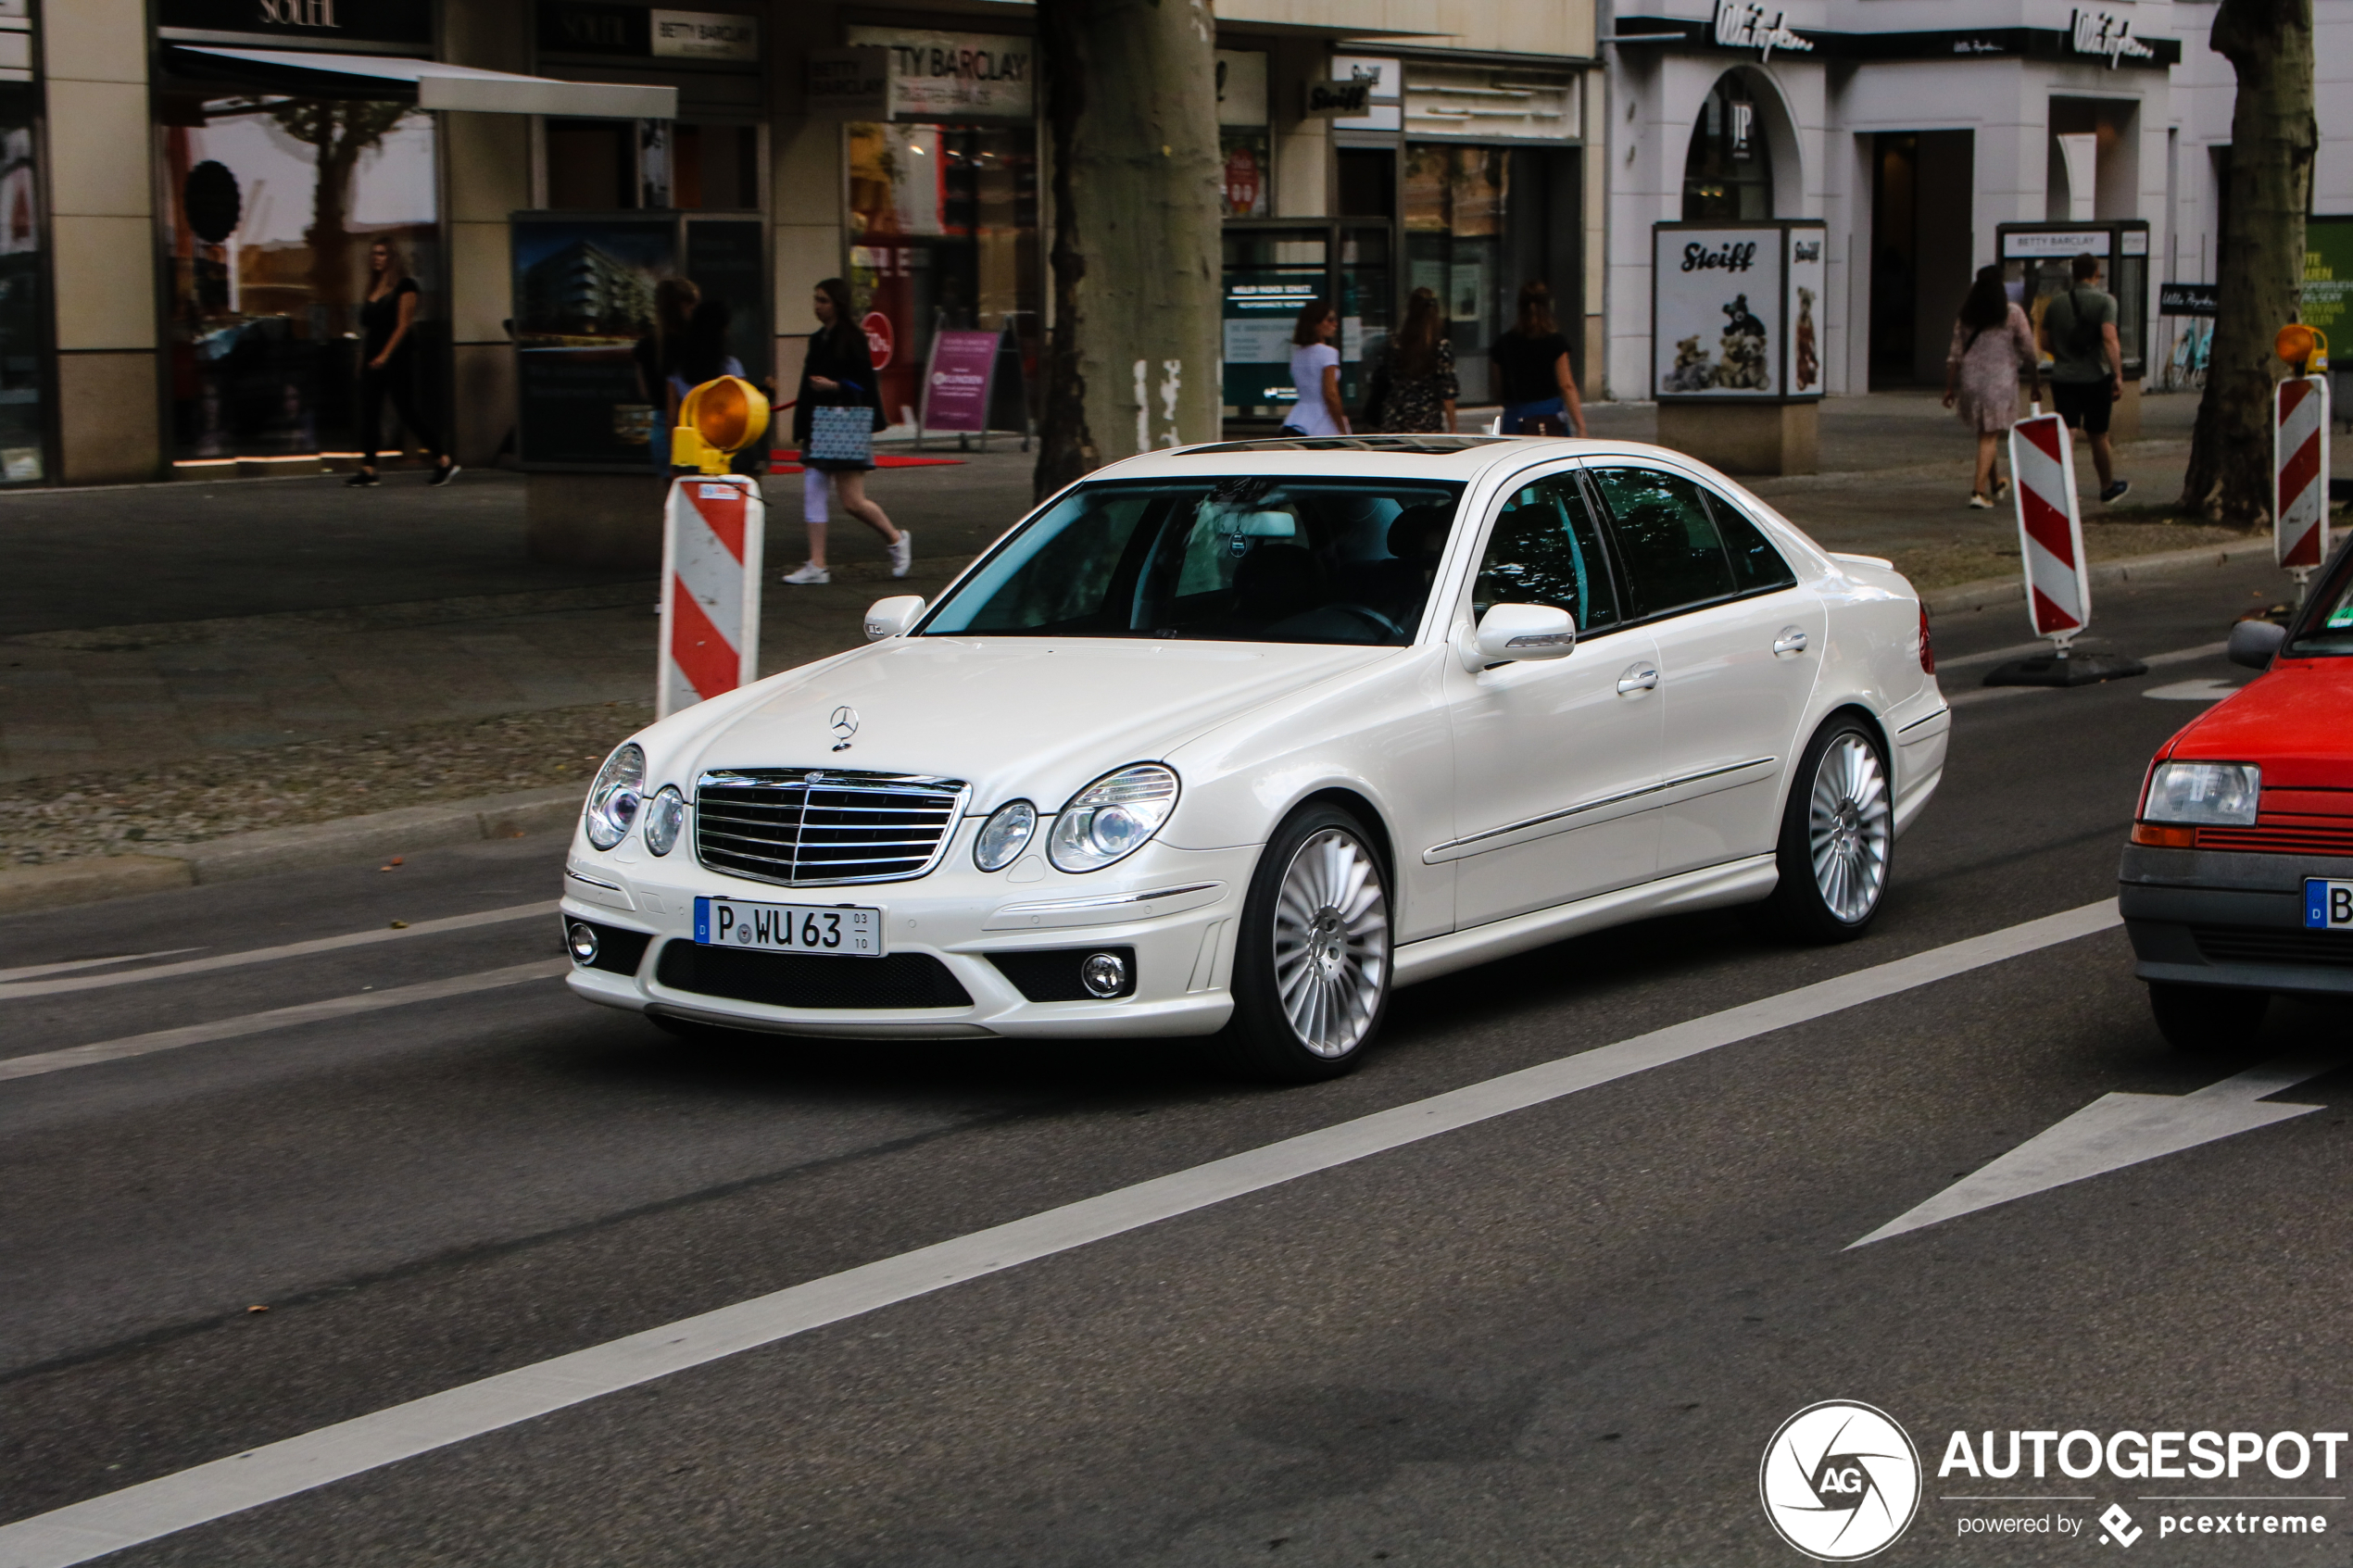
(1838, 832)
(2208, 1020)
(1311, 962)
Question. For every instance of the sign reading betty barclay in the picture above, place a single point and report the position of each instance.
(949, 75)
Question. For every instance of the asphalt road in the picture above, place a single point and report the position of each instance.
(1561, 1335)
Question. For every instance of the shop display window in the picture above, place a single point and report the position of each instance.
(273, 203)
(22, 385)
(943, 223)
(1728, 173)
(1479, 222)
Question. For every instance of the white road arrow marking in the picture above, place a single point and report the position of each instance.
(2203, 690)
(2114, 1131)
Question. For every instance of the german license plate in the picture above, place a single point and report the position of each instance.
(840, 930)
(2328, 905)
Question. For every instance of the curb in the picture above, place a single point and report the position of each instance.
(1995, 591)
(270, 850)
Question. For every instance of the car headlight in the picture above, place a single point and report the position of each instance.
(1005, 834)
(1112, 818)
(2204, 792)
(665, 816)
(614, 798)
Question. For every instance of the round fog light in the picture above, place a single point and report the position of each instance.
(1104, 975)
(581, 940)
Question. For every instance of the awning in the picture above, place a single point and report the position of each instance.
(434, 85)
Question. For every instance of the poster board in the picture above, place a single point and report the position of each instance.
(1738, 311)
(583, 295)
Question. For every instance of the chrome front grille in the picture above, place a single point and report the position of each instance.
(808, 827)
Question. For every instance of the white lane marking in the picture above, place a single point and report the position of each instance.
(2114, 1131)
(270, 955)
(277, 1017)
(2155, 661)
(169, 1503)
(2205, 689)
(1969, 660)
(29, 970)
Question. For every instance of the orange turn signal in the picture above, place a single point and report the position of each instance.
(2157, 838)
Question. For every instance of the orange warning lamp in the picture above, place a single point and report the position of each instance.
(717, 420)
(2305, 347)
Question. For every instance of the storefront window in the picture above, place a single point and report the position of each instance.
(21, 307)
(1480, 222)
(943, 235)
(1247, 176)
(1729, 172)
(274, 203)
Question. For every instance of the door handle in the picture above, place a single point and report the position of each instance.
(1792, 640)
(1638, 678)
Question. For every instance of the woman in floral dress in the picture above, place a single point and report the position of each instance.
(1992, 342)
(1414, 386)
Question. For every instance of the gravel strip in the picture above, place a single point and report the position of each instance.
(74, 815)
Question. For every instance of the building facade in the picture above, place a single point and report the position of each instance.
(180, 278)
(1933, 137)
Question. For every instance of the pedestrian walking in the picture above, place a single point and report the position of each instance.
(1414, 386)
(656, 358)
(837, 373)
(2087, 366)
(1992, 343)
(388, 364)
(1532, 374)
(1314, 370)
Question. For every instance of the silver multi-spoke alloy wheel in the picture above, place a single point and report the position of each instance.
(1331, 943)
(1847, 828)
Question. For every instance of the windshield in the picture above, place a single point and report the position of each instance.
(2327, 627)
(1259, 559)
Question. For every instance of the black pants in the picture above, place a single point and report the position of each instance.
(398, 381)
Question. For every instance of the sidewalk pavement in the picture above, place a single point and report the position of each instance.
(178, 661)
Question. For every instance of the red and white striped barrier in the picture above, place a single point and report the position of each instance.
(712, 530)
(2300, 473)
(2050, 528)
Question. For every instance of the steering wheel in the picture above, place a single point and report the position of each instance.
(1382, 623)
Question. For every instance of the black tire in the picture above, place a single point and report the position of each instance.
(1801, 906)
(2208, 1020)
(1262, 1040)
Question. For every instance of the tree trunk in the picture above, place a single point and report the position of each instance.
(2273, 137)
(1131, 111)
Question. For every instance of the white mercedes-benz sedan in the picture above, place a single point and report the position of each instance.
(1233, 740)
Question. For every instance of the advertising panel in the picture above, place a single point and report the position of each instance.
(2328, 281)
(956, 390)
(1805, 312)
(1717, 315)
(584, 296)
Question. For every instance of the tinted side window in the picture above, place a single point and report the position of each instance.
(1546, 550)
(1755, 563)
(1666, 539)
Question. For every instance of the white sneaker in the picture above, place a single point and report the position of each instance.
(809, 576)
(903, 553)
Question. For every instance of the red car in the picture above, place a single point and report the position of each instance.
(2238, 883)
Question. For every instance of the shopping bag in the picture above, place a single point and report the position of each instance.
(840, 434)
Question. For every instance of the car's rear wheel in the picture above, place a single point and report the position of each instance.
(2208, 1020)
(1838, 836)
(1311, 961)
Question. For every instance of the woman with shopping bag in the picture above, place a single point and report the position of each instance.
(835, 417)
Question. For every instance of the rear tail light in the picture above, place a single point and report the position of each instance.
(1928, 648)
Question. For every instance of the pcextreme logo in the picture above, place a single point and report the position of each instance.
(1840, 1481)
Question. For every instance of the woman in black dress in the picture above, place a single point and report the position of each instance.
(838, 372)
(387, 319)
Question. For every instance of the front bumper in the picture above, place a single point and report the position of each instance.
(2202, 917)
(1175, 910)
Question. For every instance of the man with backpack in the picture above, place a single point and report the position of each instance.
(2087, 366)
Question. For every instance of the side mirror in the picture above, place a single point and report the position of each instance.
(1507, 634)
(889, 618)
(2255, 644)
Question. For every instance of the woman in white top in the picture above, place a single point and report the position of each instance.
(1314, 370)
